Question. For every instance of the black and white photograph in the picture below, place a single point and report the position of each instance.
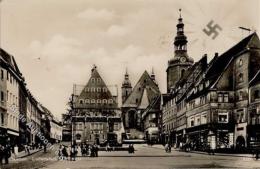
(119, 84)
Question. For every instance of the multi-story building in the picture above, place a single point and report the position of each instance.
(141, 107)
(95, 113)
(215, 104)
(10, 79)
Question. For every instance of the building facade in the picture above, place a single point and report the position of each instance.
(215, 104)
(141, 107)
(95, 113)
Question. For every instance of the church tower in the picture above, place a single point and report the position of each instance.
(181, 61)
(126, 87)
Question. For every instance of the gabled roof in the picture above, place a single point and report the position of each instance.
(218, 64)
(153, 107)
(101, 92)
(255, 80)
(144, 85)
(9, 60)
(221, 62)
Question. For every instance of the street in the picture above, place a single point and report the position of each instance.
(144, 157)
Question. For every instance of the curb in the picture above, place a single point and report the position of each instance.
(30, 154)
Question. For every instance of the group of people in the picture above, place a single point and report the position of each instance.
(131, 149)
(72, 151)
(5, 153)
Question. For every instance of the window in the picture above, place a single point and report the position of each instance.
(105, 101)
(240, 62)
(98, 101)
(98, 80)
(192, 122)
(98, 89)
(226, 98)
(257, 94)
(110, 101)
(7, 75)
(136, 100)
(220, 98)
(240, 77)
(240, 95)
(92, 89)
(222, 117)
(2, 74)
(104, 89)
(204, 119)
(11, 79)
(2, 96)
(87, 101)
(92, 100)
(93, 80)
(81, 101)
(2, 119)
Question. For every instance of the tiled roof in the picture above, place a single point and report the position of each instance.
(145, 83)
(101, 92)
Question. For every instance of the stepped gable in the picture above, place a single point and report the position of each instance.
(143, 93)
(96, 89)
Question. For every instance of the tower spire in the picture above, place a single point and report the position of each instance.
(180, 41)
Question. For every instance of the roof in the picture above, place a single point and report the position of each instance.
(144, 86)
(219, 63)
(255, 80)
(10, 61)
(101, 92)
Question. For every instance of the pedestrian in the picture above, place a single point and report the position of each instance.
(73, 153)
(44, 148)
(7, 154)
(15, 151)
(60, 153)
(1, 154)
(166, 147)
(257, 154)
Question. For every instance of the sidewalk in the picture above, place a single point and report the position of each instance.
(205, 153)
(23, 154)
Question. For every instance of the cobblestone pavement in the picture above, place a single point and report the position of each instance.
(154, 158)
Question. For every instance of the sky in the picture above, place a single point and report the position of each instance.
(56, 43)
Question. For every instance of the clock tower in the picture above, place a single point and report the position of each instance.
(181, 61)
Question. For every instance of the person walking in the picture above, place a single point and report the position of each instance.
(1, 154)
(15, 151)
(7, 154)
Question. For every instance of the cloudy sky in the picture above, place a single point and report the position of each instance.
(56, 43)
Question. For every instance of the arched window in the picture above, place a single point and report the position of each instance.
(110, 101)
(104, 101)
(81, 101)
(87, 101)
(182, 72)
(93, 89)
(104, 89)
(98, 101)
(93, 80)
(92, 100)
(98, 89)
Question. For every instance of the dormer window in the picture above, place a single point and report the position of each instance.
(104, 89)
(92, 80)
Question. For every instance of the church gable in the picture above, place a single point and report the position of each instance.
(144, 91)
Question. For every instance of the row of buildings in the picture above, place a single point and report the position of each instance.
(22, 117)
(215, 103)
(212, 103)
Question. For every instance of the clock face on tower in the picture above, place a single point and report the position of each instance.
(183, 59)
